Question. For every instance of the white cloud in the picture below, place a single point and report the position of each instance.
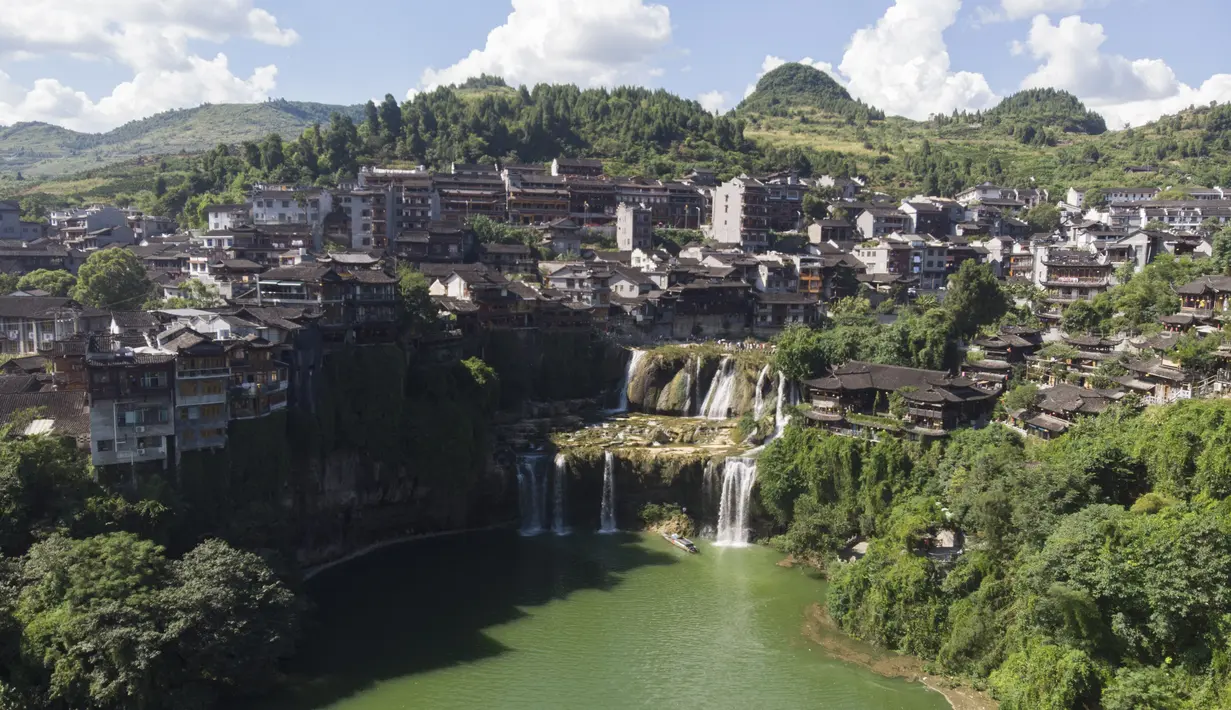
(901, 64)
(1021, 9)
(587, 42)
(1132, 91)
(149, 37)
(714, 101)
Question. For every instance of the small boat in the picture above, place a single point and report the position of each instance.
(681, 542)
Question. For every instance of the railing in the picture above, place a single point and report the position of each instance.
(204, 373)
(199, 399)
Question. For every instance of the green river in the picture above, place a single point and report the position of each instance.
(494, 620)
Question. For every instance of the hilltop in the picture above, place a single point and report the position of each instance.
(43, 150)
(800, 85)
(1046, 107)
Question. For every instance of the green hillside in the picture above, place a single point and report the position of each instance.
(39, 149)
(1045, 107)
(800, 85)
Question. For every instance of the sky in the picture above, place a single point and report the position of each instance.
(92, 65)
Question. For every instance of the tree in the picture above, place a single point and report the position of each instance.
(798, 353)
(1095, 198)
(194, 294)
(113, 279)
(1024, 396)
(390, 119)
(816, 206)
(1087, 316)
(1156, 225)
(229, 620)
(975, 297)
(1043, 218)
(1222, 250)
(418, 312)
(55, 282)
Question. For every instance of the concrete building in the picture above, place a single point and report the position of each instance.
(634, 230)
(222, 218)
(876, 222)
(741, 214)
(10, 220)
(291, 206)
(131, 403)
(577, 167)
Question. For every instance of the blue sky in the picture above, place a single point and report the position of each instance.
(93, 64)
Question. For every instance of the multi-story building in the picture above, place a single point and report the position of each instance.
(1205, 301)
(132, 401)
(1178, 215)
(508, 258)
(925, 218)
(10, 220)
(470, 191)
(785, 201)
(886, 256)
(634, 228)
(290, 205)
(591, 200)
(987, 193)
(838, 231)
(357, 209)
(876, 222)
(202, 382)
(535, 198)
(220, 218)
(259, 383)
(1069, 276)
(577, 167)
(17, 259)
(741, 214)
(582, 283)
(858, 397)
(32, 324)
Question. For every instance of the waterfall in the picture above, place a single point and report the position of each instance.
(557, 517)
(717, 404)
(788, 392)
(688, 402)
(531, 493)
(607, 520)
(758, 407)
(739, 474)
(634, 359)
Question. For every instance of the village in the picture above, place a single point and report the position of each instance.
(296, 271)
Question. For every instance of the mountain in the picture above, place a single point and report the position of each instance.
(1047, 107)
(40, 149)
(800, 85)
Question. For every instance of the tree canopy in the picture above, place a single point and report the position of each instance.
(112, 278)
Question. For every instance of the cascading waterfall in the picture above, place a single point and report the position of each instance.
(788, 392)
(739, 475)
(688, 402)
(717, 404)
(531, 493)
(634, 359)
(758, 407)
(607, 519)
(557, 516)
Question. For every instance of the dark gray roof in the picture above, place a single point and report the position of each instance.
(33, 306)
(67, 409)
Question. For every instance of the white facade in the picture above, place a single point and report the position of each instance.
(357, 206)
(291, 206)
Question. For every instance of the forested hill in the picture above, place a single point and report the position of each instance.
(1046, 107)
(41, 149)
(794, 84)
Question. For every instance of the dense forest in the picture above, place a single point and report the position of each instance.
(1097, 570)
(794, 84)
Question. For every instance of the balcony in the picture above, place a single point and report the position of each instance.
(254, 389)
(200, 399)
(203, 374)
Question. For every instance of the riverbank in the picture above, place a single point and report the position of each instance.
(821, 629)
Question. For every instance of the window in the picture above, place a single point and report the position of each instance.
(105, 445)
(286, 203)
(151, 380)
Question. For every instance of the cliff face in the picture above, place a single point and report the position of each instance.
(384, 447)
(677, 381)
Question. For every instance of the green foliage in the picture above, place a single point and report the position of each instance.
(1024, 396)
(1221, 255)
(417, 311)
(109, 622)
(194, 294)
(799, 353)
(1043, 218)
(1044, 107)
(55, 282)
(1044, 676)
(975, 297)
(799, 84)
(112, 278)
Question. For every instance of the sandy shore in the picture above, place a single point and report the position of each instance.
(820, 629)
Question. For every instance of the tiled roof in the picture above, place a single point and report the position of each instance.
(67, 409)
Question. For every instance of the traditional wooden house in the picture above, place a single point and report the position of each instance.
(859, 396)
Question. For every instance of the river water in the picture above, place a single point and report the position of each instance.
(496, 620)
